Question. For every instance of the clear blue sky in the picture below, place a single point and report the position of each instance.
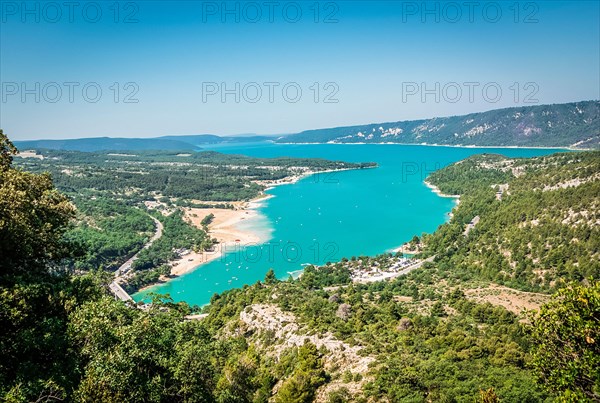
(375, 57)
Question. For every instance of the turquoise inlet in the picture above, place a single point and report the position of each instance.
(325, 217)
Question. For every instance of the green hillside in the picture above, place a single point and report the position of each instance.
(539, 219)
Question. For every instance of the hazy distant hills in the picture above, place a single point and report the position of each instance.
(105, 144)
(561, 125)
(167, 143)
(214, 139)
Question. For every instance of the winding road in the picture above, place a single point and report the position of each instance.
(125, 268)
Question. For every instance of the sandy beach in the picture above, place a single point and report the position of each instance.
(223, 228)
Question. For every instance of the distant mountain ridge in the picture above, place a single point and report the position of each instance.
(166, 143)
(575, 124)
(105, 144)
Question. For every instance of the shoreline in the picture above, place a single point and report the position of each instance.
(404, 249)
(290, 180)
(438, 192)
(224, 228)
(569, 148)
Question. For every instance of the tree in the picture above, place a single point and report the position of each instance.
(566, 342)
(34, 300)
(308, 375)
(340, 395)
(33, 219)
(488, 396)
(206, 221)
(7, 150)
(438, 309)
(239, 379)
(270, 277)
(132, 355)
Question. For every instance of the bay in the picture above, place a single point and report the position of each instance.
(327, 216)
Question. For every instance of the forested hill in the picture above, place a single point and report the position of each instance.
(561, 125)
(539, 219)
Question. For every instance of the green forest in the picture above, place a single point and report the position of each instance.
(422, 337)
(205, 175)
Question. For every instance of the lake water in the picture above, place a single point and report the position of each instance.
(328, 216)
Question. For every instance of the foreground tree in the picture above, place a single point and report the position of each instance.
(130, 355)
(35, 298)
(63, 338)
(566, 343)
(33, 219)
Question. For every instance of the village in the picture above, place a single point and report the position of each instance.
(390, 268)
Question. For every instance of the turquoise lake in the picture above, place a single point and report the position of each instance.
(328, 216)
